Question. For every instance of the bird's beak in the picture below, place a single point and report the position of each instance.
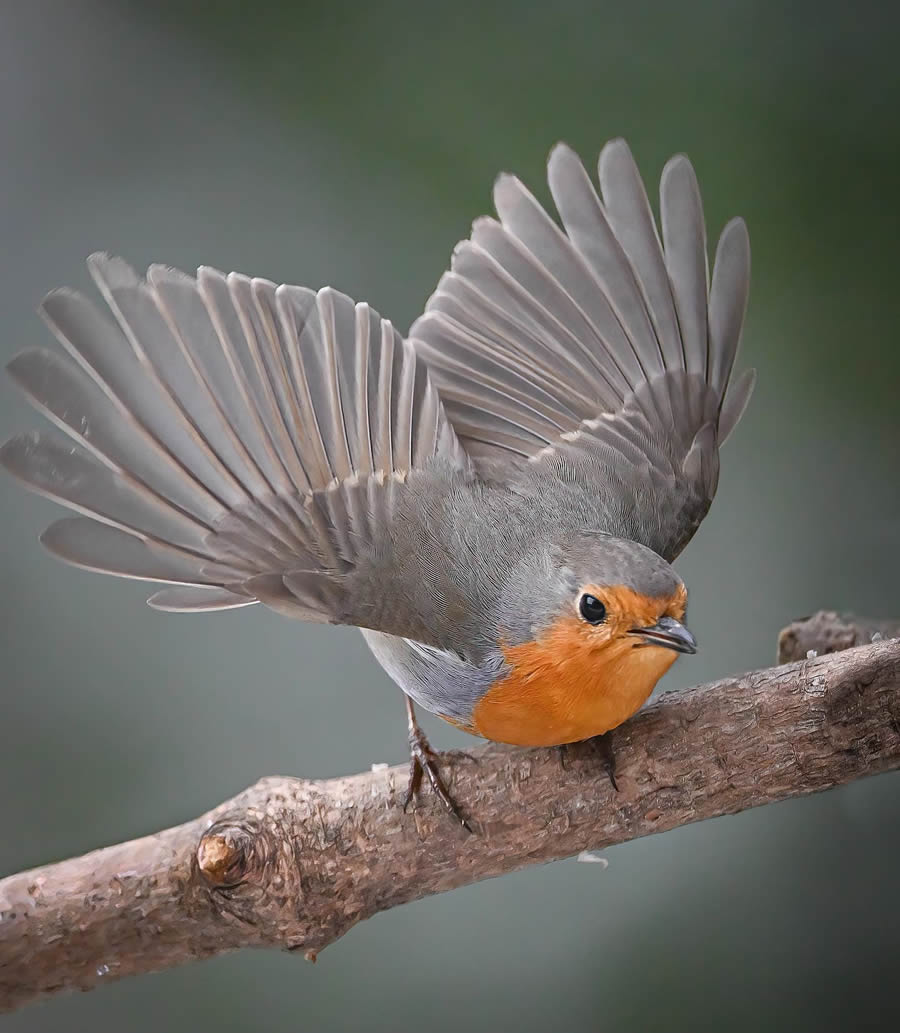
(670, 633)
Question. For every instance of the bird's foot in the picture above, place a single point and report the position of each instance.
(423, 761)
(603, 745)
(607, 755)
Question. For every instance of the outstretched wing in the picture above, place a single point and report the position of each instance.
(597, 351)
(240, 441)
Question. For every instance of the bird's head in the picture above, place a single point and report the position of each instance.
(620, 595)
(599, 621)
(608, 592)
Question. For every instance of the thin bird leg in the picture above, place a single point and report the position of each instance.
(603, 746)
(423, 759)
(607, 755)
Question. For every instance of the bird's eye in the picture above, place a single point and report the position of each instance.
(591, 609)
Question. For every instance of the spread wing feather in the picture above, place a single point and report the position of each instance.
(243, 442)
(597, 350)
(240, 441)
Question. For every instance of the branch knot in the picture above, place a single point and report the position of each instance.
(229, 853)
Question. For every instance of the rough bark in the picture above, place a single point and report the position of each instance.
(294, 864)
(830, 632)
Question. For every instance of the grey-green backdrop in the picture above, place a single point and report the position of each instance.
(352, 144)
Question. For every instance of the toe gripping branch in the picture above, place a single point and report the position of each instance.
(423, 761)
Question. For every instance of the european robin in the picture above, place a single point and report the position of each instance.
(495, 500)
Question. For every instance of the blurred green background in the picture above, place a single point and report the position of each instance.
(352, 144)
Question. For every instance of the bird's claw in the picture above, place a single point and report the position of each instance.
(423, 761)
(607, 755)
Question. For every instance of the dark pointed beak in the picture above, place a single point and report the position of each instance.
(670, 633)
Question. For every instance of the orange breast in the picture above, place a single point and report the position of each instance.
(569, 685)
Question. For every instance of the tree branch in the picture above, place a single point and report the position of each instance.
(830, 632)
(294, 864)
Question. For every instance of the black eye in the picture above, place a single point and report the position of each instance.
(593, 611)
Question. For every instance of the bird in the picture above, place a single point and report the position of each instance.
(495, 499)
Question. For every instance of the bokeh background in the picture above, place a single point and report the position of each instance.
(352, 144)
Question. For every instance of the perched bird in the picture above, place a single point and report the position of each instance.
(495, 500)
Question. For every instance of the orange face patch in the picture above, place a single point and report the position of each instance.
(627, 607)
(578, 680)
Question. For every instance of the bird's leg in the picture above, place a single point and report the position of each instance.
(603, 745)
(423, 760)
(607, 755)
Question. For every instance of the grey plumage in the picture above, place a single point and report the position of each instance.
(224, 430)
(641, 351)
(556, 412)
